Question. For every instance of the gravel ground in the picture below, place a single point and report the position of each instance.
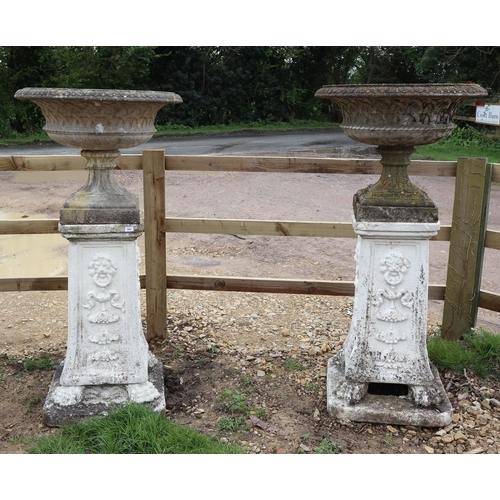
(272, 349)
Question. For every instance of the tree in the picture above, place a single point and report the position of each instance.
(462, 64)
(390, 64)
(74, 67)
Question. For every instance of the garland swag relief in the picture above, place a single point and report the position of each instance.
(393, 267)
(103, 305)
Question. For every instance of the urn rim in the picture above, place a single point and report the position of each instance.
(381, 90)
(101, 95)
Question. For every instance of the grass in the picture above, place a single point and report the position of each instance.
(31, 403)
(464, 141)
(44, 362)
(293, 365)
(131, 429)
(41, 363)
(479, 352)
(243, 127)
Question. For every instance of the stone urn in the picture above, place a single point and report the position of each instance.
(99, 123)
(396, 118)
(107, 360)
(383, 373)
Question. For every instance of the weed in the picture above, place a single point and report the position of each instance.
(327, 447)
(247, 384)
(41, 363)
(13, 360)
(292, 364)
(260, 413)
(389, 440)
(486, 395)
(233, 401)
(31, 403)
(131, 429)
(227, 423)
(313, 387)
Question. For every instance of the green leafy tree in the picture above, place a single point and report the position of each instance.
(462, 64)
(390, 64)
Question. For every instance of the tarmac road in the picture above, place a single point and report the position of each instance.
(235, 143)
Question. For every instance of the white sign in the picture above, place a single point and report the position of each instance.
(488, 114)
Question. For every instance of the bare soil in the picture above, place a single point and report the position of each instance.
(238, 344)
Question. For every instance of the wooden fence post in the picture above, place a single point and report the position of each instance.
(154, 234)
(468, 231)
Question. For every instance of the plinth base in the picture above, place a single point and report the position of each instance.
(381, 409)
(99, 400)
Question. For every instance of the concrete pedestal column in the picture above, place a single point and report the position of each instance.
(384, 360)
(108, 360)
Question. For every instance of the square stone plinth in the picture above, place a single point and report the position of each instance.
(375, 408)
(102, 399)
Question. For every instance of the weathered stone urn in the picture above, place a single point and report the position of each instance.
(383, 373)
(107, 361)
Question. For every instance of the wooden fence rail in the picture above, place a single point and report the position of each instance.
(156, 281)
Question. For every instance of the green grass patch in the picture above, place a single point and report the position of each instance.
(293, 365)
(165, 130)
(41, 363)
(479, 351)
(131, 429)
(463, 142)
(23, 366)
(22, 140)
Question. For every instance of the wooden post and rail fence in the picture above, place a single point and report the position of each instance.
(468, 234)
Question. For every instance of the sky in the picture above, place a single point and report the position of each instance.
(259, 22)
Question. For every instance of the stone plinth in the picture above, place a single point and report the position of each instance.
(107, 361)
(385, 354)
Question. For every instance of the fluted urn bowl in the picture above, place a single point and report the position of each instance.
(399, 115)
(98, 119)
(99, 122)
(395, 118)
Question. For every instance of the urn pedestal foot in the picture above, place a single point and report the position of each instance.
(66, 405)
(384, 408)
